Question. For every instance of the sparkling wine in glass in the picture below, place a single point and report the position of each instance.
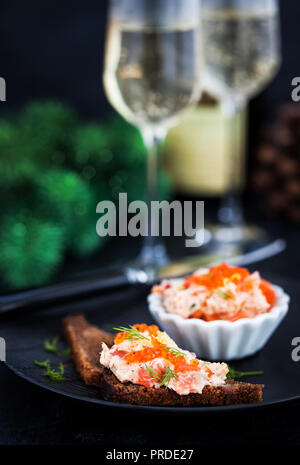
(151, 75)
(241, 56)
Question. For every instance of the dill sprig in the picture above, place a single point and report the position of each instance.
(51, 372)
(153, 373)
(176, 352)
(45, 364)
(233, 374)
(224, 295)
(56, 375)
(66, 353)
(168, 374)
(61, 368)
(52, 346)
(132, 333)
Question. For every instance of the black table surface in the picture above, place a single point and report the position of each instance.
(30, 415)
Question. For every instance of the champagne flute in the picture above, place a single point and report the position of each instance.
(242, 55)
(151, 75)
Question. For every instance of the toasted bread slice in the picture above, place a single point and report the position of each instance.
(86, 343)
(86, 340)
(233, 392)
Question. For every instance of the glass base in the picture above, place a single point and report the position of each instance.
(237, 234)
(158, 266)
(147, 267)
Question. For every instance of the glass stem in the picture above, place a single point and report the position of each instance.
(231, 209)
(153, 251)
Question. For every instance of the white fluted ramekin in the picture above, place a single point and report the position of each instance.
(220, 339)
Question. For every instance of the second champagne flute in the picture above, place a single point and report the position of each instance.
(242, 56)
(151, 75)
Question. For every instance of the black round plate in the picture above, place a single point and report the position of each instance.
(25, 334)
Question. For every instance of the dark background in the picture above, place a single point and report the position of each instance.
(54, 49)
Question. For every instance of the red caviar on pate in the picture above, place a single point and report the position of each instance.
(222, 292)
(144, 355)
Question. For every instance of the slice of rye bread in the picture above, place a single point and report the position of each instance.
(85, 341)
(233, 392)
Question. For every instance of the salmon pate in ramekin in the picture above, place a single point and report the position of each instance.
(224, 312)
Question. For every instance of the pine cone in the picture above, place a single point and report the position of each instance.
(277, 164)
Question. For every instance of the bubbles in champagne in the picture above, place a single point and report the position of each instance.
(241, 52)
(151, 75)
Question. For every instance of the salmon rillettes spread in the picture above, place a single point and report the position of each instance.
(142, 354)
(222, 292)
